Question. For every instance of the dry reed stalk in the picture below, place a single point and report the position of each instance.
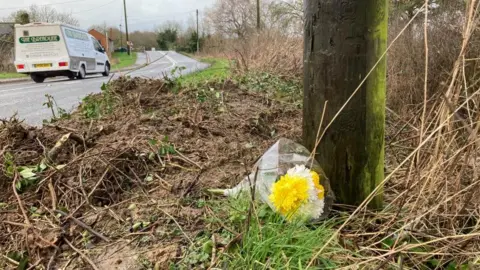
(436, 203)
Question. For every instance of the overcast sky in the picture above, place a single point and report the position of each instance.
(142, 14)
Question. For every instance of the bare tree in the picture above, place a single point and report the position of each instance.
(170, 25)
(232, 17)
(236, 18)
(45, 14)
(287, 16)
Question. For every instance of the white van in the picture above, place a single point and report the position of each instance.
(49, 50)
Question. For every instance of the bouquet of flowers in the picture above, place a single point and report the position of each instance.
(298, 194)
(290, 181)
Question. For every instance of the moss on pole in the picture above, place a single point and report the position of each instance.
(344, 39)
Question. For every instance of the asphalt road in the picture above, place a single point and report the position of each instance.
(27, 98)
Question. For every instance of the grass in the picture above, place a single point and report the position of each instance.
(11, 75)
(263, 241)
(123, 60)
(187, 54)
(219, 70)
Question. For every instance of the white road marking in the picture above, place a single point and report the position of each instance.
(174, 63)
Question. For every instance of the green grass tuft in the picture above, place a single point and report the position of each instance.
(264, 241)
(123, 60)
(219, 70)
(11, 75)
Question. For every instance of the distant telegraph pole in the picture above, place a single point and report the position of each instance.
(258, 14)
(198, 36)
(121, 36)
(126, 25)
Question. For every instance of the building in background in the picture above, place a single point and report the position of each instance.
(106, 42)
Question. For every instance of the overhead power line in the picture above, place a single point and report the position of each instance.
(53, 4)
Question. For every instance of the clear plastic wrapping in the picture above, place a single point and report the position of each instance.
(275, 162)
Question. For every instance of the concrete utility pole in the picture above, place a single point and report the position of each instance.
(126, 26)
(258, 15)
(342, 45)
(198, 36)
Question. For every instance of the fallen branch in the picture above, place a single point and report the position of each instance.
(52, 194)
(33, 266)
(3, 150)
(192, 184)
(82, 255)
(83, 225)
(53, 153)
(10, 261)
(57, 127)
(20, 203)
(178, 225)
(52, 259)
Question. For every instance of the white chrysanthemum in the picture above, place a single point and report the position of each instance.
(302, 171)
(314, 207)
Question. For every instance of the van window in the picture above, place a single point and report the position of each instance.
(97, 45)
(76, 35)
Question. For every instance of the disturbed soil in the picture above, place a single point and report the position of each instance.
(129, 183)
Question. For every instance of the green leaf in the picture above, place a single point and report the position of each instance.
(388, 242)
(217, 94)
(149, 178)
(3, 205)
(153, 142)
(23, 263)
(434, 262)
(9, 171)
(27, 172)
(262, 212)
(103, 87)
(328, 264)
(63, 209)
(42, 167)
(18, 185)
(137, 226)
(452, 266)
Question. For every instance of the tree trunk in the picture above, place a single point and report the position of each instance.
(343, 41)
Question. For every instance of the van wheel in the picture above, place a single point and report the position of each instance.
(81, 73)
(37, 78)
(107, 70)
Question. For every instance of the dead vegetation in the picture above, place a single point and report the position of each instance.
(120, 188)
(134, 176)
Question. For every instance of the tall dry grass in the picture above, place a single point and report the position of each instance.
(432, 214)
(432, 189)
(268, 51)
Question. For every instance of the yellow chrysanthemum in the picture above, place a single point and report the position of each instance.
(289, 193)
(316, 182)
